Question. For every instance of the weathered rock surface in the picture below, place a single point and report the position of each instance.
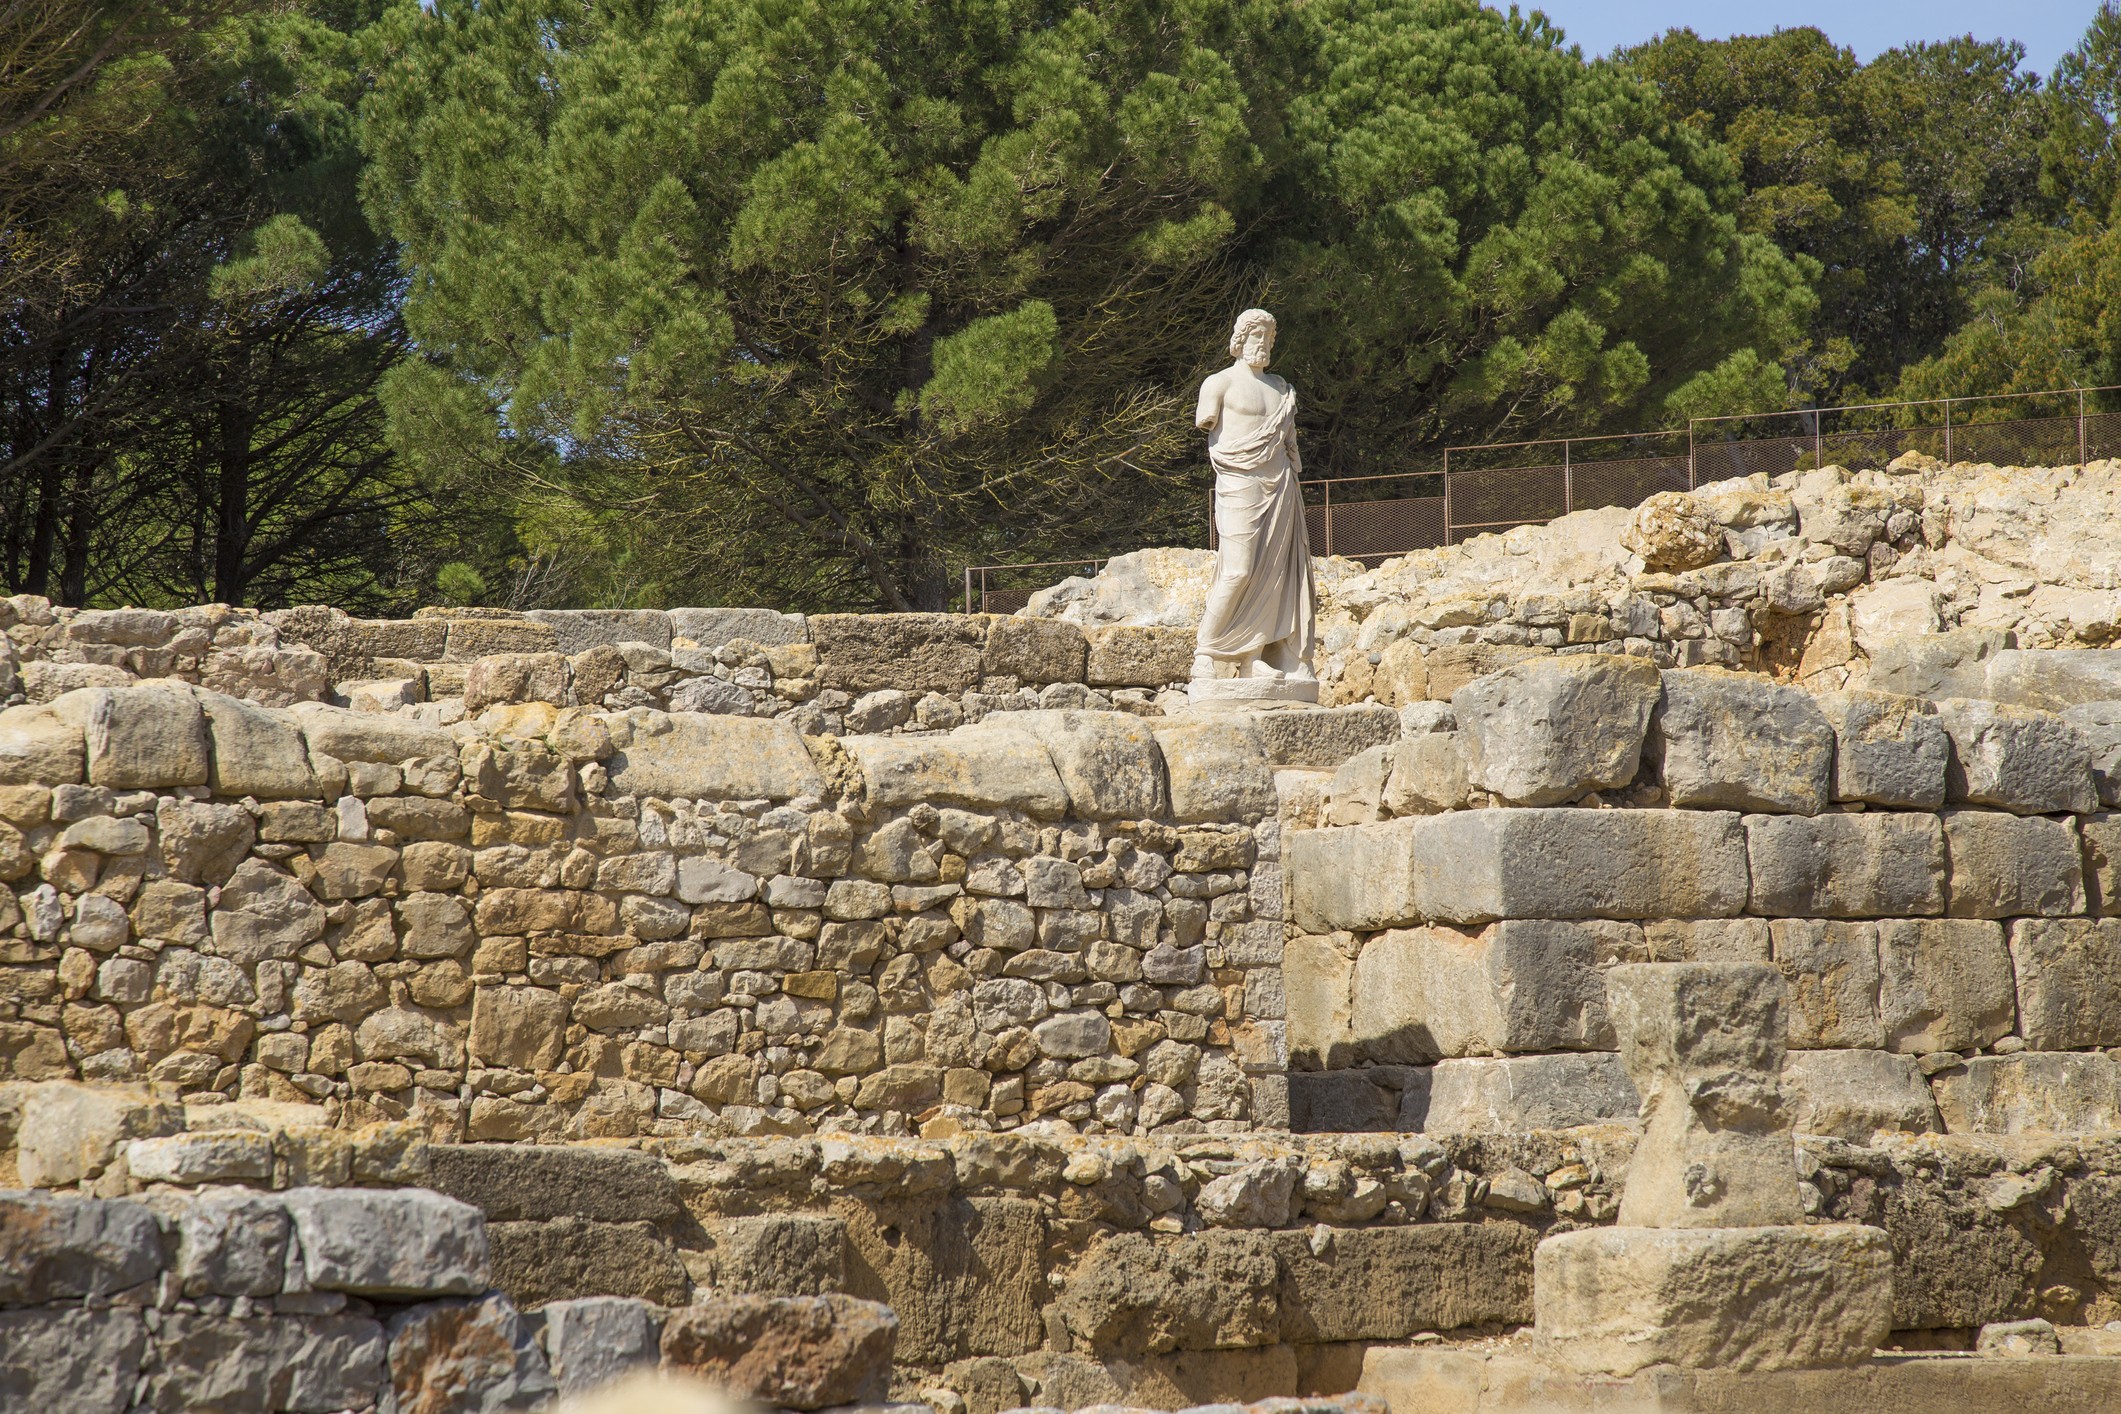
(1617, 1300)
(1551, 730)
(798, 1352)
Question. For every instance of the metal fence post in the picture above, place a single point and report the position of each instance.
(1568, 480)
(2080, 427)
(1947, 430)
(1691, 483)
(968, 589)
(1327, 487)
(1818, 447)
(1446, 495)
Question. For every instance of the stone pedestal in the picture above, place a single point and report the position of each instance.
(1248, 692)
(1710, 1267)
(1616, 1300)
(1445, 1379)
(1703, 1043)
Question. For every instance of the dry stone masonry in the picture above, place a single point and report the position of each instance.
(932, 1010)
(1934, 879)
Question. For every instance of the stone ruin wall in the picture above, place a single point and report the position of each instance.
(330, 948)
(560, 924)
(1128, 1056)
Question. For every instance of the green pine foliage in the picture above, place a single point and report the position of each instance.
(807, 301)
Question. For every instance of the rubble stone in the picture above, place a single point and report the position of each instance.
(1550, 730)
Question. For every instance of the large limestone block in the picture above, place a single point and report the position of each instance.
(255, 751)
(485, 633)
(532, 1182)
(1832, 969)
(1511, 1094)
(369, 736)
(1935, 665)
(2033, 1092)
(1854, 1094)
(1136, 655)
(72, 1361)
(2069, 981)
(1386, 1283)
(595, 1340)
(1473, 866)
(2010, 866)
(466, 1357)
(398, 1243)
(151, 737)
(1515, 987)
(579, 630)
(1551, 729)
(795, 1352)
(1703, 1044)
(1357, 877)
(1321, 738)
(711, 628)
(1107, 761)
(689, 755)
(214, 1362)
(912, 652)
(64, 1249)
(1888, 749)
(2099, 723)
(2054, 678)
(2016, 758)
(39, 747)
(1388, 1011)
(1217, 767)
(1616, 1300)
(964, 1274)
(563, 1258)
(1873, 865)
(233, 1241)
(1350, 1101)
(1945, 984)
(1457, 665)
(1035, 650)
(1316, 980)
(1445, 1378)
(988, 767)
(1733, 742)
(1135, 1294)
(780, 1254)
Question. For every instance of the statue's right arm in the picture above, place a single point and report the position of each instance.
(1209, 411)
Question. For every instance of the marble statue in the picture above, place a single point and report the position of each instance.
(1261, 620)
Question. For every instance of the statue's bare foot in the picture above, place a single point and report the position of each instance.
(1203, 667)
(1263, 671)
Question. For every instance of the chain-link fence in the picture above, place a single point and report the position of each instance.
(1478, 490)
(2063, 428)
(1003, 589)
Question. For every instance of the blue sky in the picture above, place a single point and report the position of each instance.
(2048, 28)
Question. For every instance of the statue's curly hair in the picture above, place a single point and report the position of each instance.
(1247, 324)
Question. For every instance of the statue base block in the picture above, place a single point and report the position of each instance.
(1615, 1300)
(1240, 692)
(1482, 1379)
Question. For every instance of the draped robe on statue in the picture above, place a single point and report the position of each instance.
(1263, 591)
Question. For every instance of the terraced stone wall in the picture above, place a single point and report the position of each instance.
(1936, 879)
(825, 674)
(557, 923)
